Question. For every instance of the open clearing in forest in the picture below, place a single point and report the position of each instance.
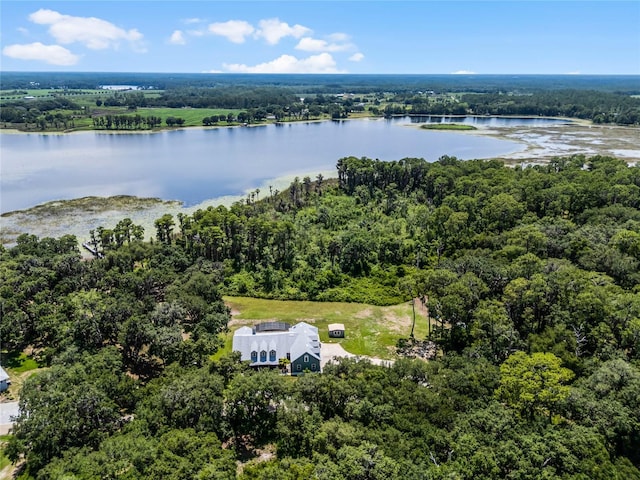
(370, 330)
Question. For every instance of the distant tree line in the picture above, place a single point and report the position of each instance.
(127, 122)
(29, 111)
(328, 84)
(600, 107)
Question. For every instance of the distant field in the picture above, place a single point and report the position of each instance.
(370, 330)
(12, 95)
(83, 97)
(192, 116)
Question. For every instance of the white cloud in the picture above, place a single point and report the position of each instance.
(577, 72)
(234, 30)
(308, 44)
(52, 54)
(196, 33)
(356, 57)
(463, 72)
(23, 30)
(273, 30)
(94, 33)
(177, 38)
(322, 63)
(191, 21)
(338, 37)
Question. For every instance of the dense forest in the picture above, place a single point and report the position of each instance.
(600, 107)
(532, 281)
(325, 83)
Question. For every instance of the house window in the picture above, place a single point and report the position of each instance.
(306, 359)
(272, 356)
(263, 355)
(299, 367)
(288, 356)
(313, 366)
(254, 356)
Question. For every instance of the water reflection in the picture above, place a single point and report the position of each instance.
(193, 165)
(490, 121)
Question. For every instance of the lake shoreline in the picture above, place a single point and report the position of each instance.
(541, 144)
(17, 131)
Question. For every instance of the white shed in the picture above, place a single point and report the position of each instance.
(336, 330)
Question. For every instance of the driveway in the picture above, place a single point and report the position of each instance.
(7, 410)
(331, 351)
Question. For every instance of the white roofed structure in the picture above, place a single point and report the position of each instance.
(266, 343)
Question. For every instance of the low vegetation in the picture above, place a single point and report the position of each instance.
(447, 126)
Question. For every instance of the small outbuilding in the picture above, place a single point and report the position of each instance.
(336, 330)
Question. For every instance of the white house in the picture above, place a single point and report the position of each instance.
(4, 380)
(266, 343)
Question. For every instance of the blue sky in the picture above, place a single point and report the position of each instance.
(422, 37)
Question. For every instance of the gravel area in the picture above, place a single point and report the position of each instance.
(7, 410)
(331, 351)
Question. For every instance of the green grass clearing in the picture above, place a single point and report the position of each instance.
(370, 330)
(18, 362)
(192, 116)
(19, 366)
(4, 461)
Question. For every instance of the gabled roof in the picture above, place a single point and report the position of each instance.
(300, 339)
(304, 326)
(244, 331)
(306, 342)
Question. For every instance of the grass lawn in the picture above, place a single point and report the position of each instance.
(370, 330)
(192, 116)
(4, 461)
(18, 362)
(19, 366)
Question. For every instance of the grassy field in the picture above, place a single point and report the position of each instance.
(18, 362)
(447, 126)
(19, 366)
(4, 461)
(192, 116)
(370, 330)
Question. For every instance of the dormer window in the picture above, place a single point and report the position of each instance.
(254, 356)
(263, 355)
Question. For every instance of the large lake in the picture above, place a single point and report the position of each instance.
(194, 165)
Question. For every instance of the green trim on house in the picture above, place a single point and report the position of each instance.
(305, 362)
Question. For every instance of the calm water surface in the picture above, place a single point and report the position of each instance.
(193, 165)
(490, 121)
